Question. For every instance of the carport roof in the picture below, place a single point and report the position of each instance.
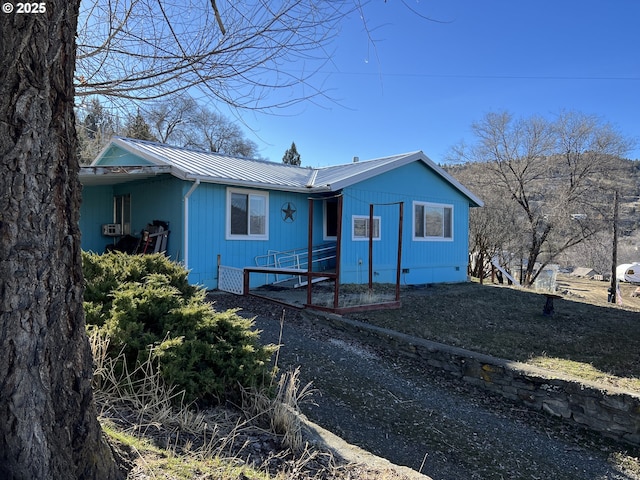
(112, 174)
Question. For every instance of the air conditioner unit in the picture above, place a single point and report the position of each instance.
(111, 229)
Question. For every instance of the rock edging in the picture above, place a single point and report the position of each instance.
(612, 412)
(328, 441)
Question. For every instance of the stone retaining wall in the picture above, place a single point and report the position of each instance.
(612, 412)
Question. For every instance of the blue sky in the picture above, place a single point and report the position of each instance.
(426, 82)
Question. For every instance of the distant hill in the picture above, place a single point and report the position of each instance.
(626, 175)
(596, 253)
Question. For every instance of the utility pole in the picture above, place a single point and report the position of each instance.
(613, 290)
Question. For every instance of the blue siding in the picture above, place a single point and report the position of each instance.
(207, 233)
(427, 261)
(95, 210)
(156, 199)
(117, 156)
(160, 198)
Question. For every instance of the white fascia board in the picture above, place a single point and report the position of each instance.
(125, 169)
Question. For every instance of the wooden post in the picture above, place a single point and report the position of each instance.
(336, 288)
(245, 282)
(399, 262)
(370, 248)
(613, 289)
(309, 251)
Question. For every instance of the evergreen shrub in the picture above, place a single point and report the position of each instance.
(145, 303)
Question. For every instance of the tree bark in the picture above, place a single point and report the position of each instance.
(48, 424)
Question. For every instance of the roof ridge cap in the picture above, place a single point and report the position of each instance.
(386, 157)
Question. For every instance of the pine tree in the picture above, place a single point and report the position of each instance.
(97, 122)
(95, 126)
(291, 156)
(137, 127)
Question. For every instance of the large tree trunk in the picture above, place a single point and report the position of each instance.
(48, 426)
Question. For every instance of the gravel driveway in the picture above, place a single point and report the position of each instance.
(417, 417)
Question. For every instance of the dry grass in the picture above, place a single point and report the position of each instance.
(586, 337)
(143, 406)
(143, 390)
(158, 436)
(281, 412)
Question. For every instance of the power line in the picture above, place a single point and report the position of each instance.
(476, 76)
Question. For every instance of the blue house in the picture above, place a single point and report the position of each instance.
(226, 214)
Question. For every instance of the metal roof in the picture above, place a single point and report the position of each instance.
(189, 164)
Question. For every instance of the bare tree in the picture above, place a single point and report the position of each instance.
(144, 49)
(180, 120)
(48, 425)
(169, 117)
(211, 131)
(556, 172)
(491, 228)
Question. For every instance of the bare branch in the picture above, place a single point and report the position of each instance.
(218, 18)
(144, 49)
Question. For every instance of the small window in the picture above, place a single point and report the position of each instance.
(360, 227)
(432, 221)
(247, 215)
(122, 213)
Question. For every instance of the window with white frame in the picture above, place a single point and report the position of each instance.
(247, 215)
(122, 213)
(360, 227)
(432, 221)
